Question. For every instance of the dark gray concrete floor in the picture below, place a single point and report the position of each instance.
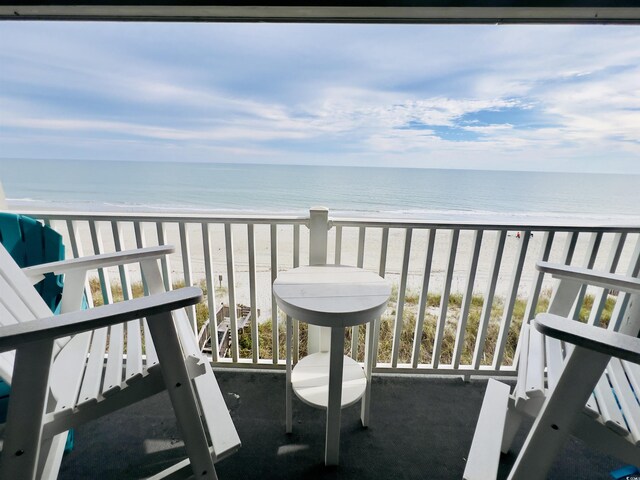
(421, 428)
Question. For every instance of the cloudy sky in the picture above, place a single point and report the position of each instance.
(550, 98)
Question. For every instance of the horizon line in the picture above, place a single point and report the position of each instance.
(312, 165)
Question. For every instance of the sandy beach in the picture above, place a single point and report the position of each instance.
(416, 266)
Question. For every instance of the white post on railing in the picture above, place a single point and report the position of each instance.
(355, 330)
(318, 229)
(251, 248)
(273, 233)
(296, 264)
(185, 249)
(211, 292)
(611, 265)
(589, 261)
(103, 274)
(164, 261)
(141, 243)
(399, 321)
(231, 284)
(3, 199)
(424, 291)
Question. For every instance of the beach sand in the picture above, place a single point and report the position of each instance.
(349, 256)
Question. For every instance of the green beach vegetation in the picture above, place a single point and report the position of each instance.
(410, 313)
(137, 290)
(387, 323)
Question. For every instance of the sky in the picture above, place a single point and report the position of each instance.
(541, 98)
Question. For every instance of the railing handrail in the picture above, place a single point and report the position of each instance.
(483, 225)
(569, 225)
(167, 217)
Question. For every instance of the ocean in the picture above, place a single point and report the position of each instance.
(430, 194)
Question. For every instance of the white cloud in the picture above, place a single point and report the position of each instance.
(267, 90)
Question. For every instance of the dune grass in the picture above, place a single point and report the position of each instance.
(137, 290)
(431, 327)
(429, 330)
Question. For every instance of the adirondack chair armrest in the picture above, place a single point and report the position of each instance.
(98, 261)
(592, 277)
(13, 336)
(598, 339)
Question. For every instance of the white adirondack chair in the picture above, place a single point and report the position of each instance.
(60, 378)
(593, 382)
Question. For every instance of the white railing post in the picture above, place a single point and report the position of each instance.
(318, 230)
(231, 283)
(399, 321)
(318, 339)
(185, 249)
(3, 199)
(589, 261)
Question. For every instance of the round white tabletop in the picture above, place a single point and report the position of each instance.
(331, 295)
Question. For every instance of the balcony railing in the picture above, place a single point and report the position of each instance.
(462, 289)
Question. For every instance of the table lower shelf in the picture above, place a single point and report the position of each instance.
(310, 380)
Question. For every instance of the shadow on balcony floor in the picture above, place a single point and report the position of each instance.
(421, 428)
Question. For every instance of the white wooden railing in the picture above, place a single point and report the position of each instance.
(238, 257)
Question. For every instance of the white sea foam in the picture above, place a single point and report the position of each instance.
(430, 195)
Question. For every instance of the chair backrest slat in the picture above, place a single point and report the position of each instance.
(554, 359)
(6, 366)
(6, 316)
(187, 338)
(609, 408)
(17, 311)
(20, 303)
(631, 320)
(113, 370)
(93, 372)
(134, 351)
(149, 347)
(633, 374)
(534, 382)
(68, 370)
(626, 397)
(17, 292)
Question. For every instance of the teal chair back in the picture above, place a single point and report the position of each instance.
(31, 243)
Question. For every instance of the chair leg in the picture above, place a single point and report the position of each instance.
(27, 404)
(511, 427)
(181, 392)
(51, 452)
(559, 413)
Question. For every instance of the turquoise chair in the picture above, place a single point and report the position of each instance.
(31, 243)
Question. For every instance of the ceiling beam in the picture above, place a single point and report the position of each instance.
(346, 11)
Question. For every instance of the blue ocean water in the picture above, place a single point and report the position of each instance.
(383, 192)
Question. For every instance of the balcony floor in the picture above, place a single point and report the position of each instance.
(421, 428)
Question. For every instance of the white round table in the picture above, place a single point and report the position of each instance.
(334, 296)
